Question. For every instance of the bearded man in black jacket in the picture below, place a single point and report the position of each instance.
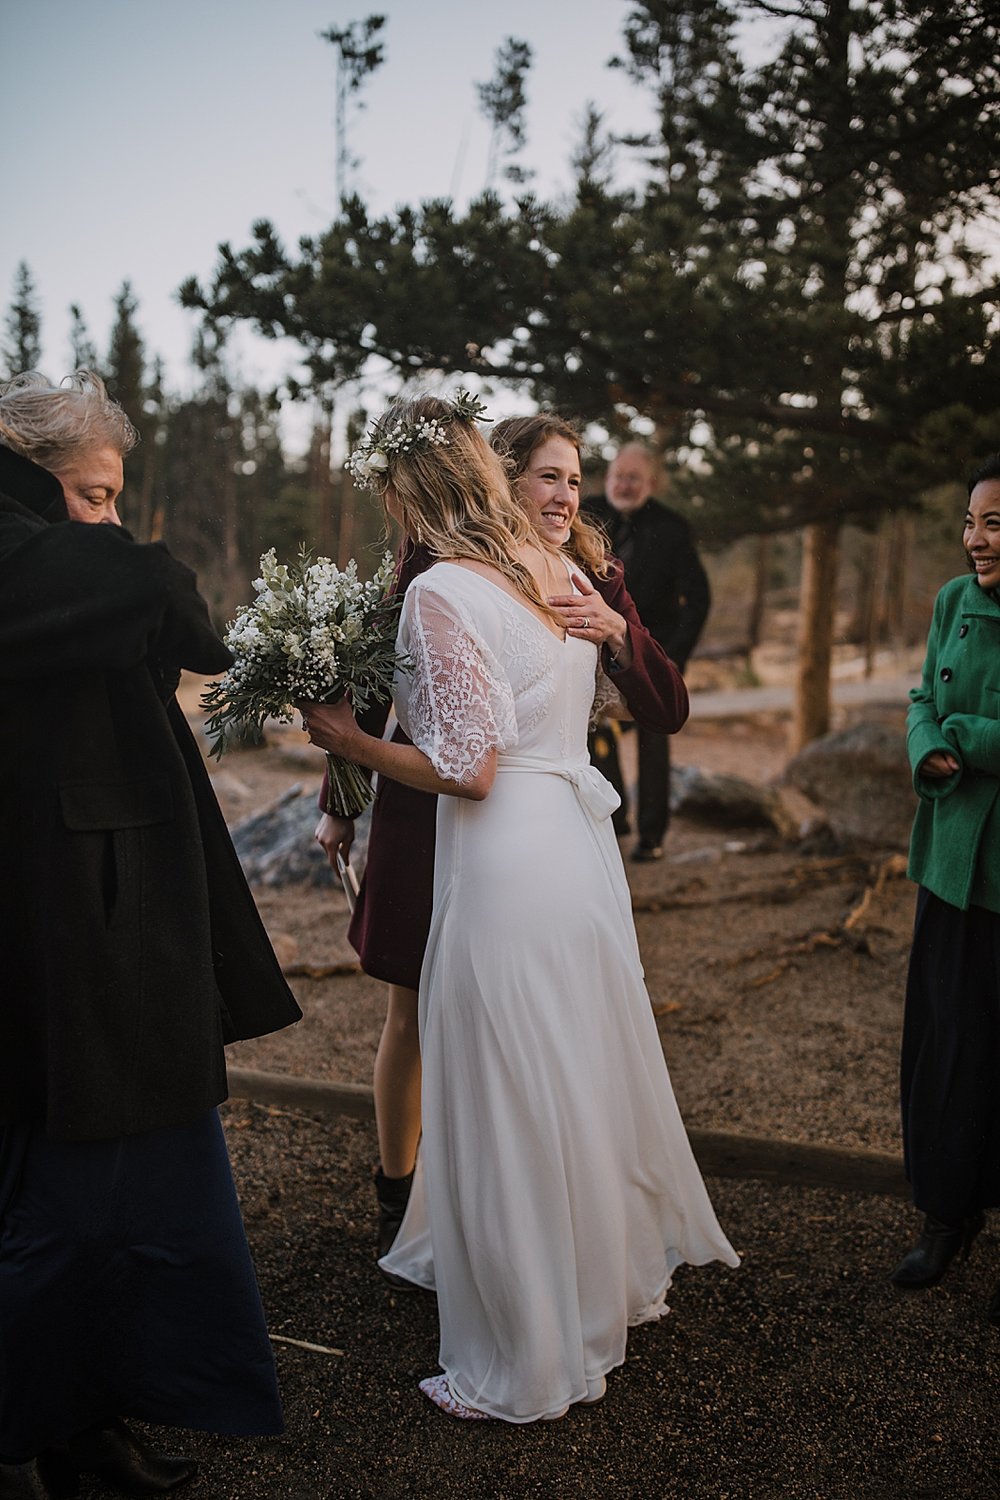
(131, 950)
(665, 577)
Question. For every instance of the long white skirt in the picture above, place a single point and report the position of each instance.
(556, 1190)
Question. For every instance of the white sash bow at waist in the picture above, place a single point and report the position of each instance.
(595, 792)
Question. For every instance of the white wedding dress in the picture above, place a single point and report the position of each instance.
(556, 1190)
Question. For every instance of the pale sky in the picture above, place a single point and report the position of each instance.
(140, 135)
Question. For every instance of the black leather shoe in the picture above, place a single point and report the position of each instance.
(936, 1248)
(123, 1461)
(35, 1481)
(644, 853)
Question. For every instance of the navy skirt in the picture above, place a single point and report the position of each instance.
(127, 1288)
(950, 1072)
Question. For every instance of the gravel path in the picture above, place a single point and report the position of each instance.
(801, 1376)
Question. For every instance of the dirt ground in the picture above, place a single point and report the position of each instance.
(775, 1019)
(776, 974)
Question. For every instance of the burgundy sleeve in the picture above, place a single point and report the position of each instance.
(652, 686)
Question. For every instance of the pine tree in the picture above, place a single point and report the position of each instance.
(125, 374)
(22, 348)
(503, 101)
(358, 55)
(83, 352)
(794, 292)
(126, 361)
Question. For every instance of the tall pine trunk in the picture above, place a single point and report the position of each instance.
(811, 714)
(831, 202)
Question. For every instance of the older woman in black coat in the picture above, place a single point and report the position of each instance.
(131, 951)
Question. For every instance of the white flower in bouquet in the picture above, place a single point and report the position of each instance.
(314, 632)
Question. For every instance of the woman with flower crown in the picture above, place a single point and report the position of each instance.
(556, 1190)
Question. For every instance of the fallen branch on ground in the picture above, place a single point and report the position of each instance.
(280, 1338)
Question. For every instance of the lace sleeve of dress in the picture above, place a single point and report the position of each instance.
(456, 702)
(608, 702)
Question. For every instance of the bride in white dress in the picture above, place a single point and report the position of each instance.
(556, 1191)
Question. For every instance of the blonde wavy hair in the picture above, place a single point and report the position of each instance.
(455, 497)
(54, 424)
(515, 439)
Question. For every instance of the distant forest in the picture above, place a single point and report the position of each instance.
(795, 296)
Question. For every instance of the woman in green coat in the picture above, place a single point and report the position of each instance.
(950, 1071)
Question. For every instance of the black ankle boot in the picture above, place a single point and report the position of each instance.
(936, 1248)
(36, 1481)
(393, 1194)
(123, 1461)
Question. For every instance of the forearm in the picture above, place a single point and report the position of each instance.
(408, 765)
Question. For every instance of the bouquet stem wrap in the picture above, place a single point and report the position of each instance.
(348, 789)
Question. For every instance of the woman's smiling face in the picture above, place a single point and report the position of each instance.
(982, 533)
(549, 489)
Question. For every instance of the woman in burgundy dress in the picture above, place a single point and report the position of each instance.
(392, 917)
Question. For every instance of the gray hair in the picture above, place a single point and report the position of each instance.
(53, 424)
(638, 449)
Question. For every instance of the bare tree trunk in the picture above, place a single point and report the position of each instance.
(898, 571)
(811, 713)
(345, 541)
(323, 481)
(836, 206)
(761, 567)
(143, 528)
(877, 596)
(231, 538)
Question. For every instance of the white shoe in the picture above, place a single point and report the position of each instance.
(437, 1389)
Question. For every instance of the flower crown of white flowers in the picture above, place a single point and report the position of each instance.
(371, 458)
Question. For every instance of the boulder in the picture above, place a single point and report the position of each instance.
(276, 846)
(728, 801)
(860, 777)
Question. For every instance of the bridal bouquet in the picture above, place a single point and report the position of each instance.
(313, 633)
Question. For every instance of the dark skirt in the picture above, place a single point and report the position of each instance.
(127, 1288)
(392, 917)
(950, 1069)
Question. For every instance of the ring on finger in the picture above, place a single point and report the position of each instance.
(586, 623)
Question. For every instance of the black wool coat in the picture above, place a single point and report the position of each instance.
(664, 573)
(130, 946)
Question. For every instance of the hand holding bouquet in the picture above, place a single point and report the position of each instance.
(313, 633)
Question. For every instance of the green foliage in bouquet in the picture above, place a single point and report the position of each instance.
(313, 633)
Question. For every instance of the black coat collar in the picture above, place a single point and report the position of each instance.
(31, 487)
